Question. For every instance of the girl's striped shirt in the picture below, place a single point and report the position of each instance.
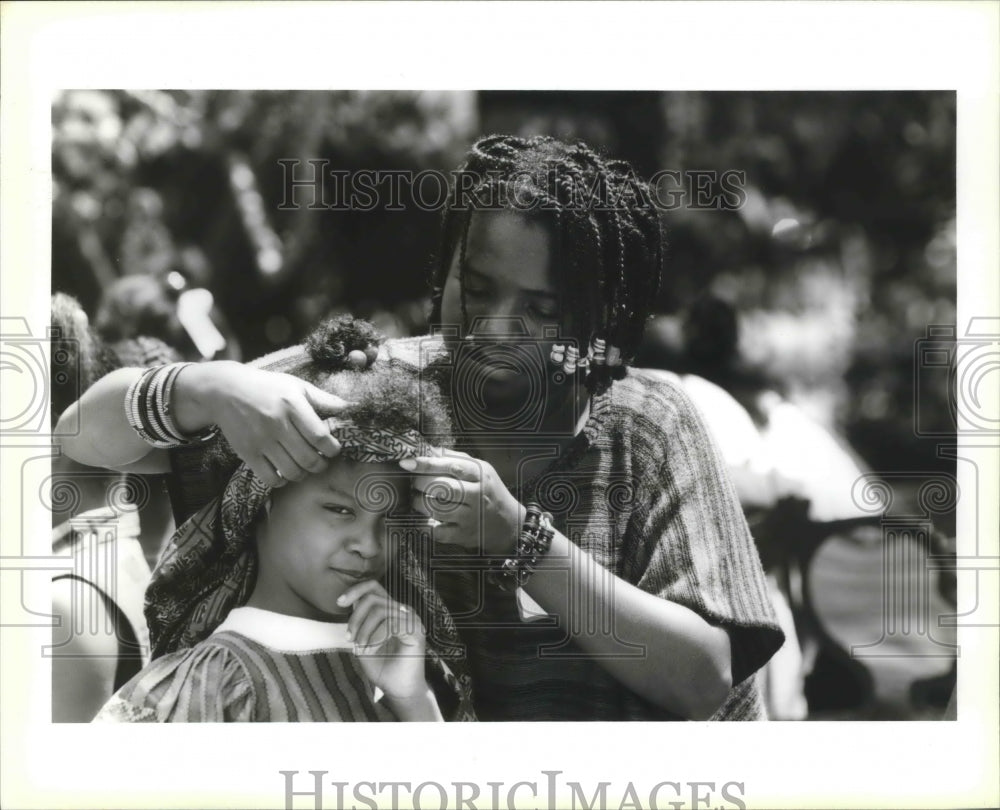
(258, 666)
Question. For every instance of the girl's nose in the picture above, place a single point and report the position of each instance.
(368, 540)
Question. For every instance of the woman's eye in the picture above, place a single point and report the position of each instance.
(339, 510)
(543, 313)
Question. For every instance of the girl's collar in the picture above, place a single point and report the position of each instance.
(283, 633)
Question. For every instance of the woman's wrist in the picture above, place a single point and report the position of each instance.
(194, 399)
(534, 536)
(519, 514)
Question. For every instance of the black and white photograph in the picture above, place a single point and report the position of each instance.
(639, 415)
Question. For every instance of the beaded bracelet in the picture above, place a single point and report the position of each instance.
(147, 408)
(533, 543)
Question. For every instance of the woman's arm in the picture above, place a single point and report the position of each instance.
(659, 649)
(684, 664)
(94, 430)
(269, 419)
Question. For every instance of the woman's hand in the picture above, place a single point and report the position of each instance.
(269, 419)
(389, 639)
(467, 500)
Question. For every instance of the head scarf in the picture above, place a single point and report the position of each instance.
(210, 565)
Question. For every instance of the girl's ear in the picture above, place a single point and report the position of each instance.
(267, 506)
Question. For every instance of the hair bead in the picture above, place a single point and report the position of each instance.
(614, 356)
(572, 355)
(598, 350)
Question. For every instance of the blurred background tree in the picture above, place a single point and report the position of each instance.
(841, 256)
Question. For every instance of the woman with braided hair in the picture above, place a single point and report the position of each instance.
(587, 539)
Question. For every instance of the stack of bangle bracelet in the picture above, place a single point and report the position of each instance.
(147, 408)
(533, 542)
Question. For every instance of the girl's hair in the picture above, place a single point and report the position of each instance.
(381, 396)
(609, 244)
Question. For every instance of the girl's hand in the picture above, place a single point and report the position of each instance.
(268, 418)
(389, 640)
(467, 500)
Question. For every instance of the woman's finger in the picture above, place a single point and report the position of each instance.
(435, 510)
(283, 465)
(264, 470)
(320, 400)
(441, 496)
(449, 534)
(315, 432)
(302, 454)
(446, 489)
(462, 468)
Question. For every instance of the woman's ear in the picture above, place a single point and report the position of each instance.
(267, 506)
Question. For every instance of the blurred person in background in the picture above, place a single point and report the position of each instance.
(672, 565)
(99, 635)
(185, 319)
(794, 476)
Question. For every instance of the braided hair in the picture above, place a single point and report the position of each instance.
(609, 245)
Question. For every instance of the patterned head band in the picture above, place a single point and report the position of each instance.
(373, 445)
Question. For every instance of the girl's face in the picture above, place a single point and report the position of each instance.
(324, 535)
(512, 301)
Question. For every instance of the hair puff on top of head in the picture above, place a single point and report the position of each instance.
(379, 396)
(331, 343)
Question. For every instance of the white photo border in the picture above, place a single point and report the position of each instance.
(450, 46)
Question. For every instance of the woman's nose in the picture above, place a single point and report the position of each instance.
(502, 322)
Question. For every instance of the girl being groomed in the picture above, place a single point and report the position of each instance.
(299, 603)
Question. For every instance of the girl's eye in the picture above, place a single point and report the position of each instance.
(475, 292)
(338, 510)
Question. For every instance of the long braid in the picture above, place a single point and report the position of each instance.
(464, 240)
